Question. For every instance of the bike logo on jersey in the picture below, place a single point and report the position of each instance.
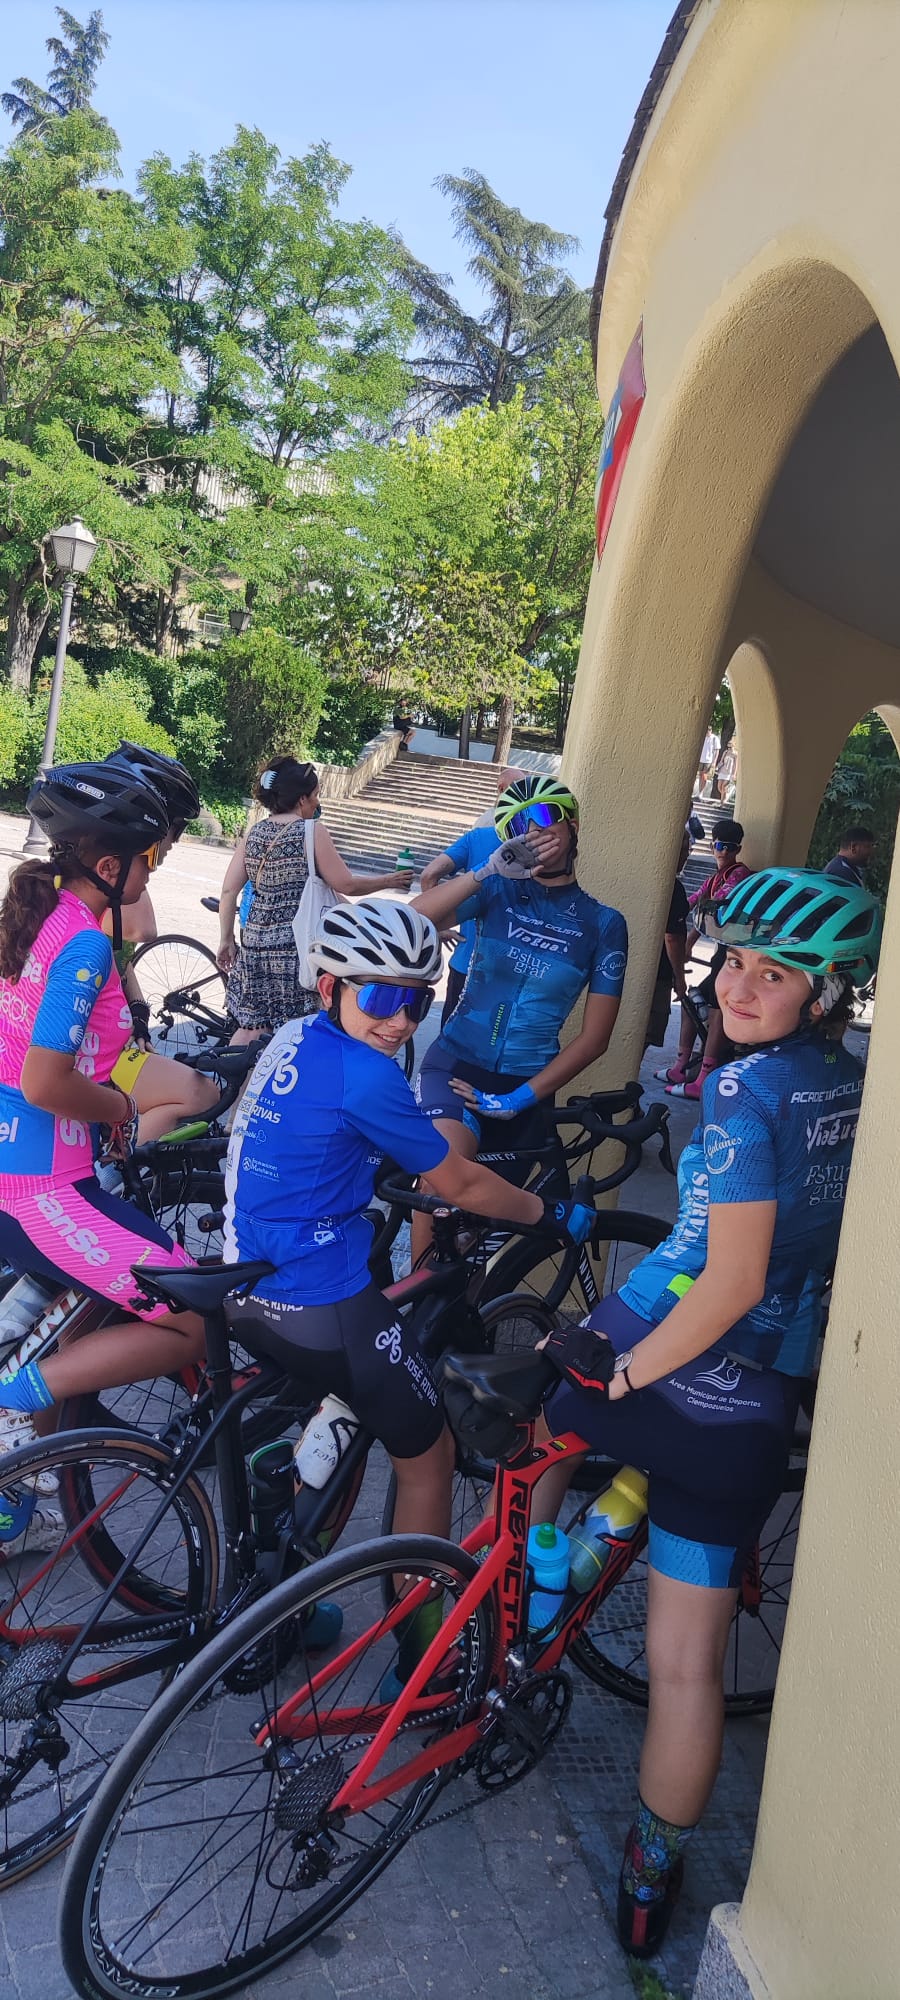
(719, 1149)
(391, 1337)
(613, 965)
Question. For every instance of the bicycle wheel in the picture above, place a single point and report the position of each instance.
(610, 1649)
(227, 1788)
(69, 1697)
(185, 992)
(569, 1280)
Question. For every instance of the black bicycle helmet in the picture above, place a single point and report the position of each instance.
(105, 802)
(170, 778)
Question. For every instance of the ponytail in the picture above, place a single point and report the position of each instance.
(32, 895)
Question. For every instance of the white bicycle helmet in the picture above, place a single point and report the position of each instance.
(377, 939)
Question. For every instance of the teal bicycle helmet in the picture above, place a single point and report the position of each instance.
(801, 918)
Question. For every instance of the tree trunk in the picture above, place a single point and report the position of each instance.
(28, 622)
(504, 730)
(479, 726)
(465, 726)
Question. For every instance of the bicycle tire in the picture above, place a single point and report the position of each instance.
(117, 1938)
(46, 1610)
(550, 1272)
(185, 992)
(610, 1649)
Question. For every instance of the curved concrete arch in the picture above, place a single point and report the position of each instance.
(682, 533)
(889, 712)
(759, 728)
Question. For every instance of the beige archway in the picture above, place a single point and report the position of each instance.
(759, 804)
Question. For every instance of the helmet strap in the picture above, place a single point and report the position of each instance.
(112, 891)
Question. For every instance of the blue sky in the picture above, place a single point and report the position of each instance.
(537, 94)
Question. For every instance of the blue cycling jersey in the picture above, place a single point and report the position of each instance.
(536, 949)
(777, 1125)
(320, 1112)
(469, 852)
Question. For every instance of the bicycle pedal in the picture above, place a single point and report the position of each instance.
(302, 1801)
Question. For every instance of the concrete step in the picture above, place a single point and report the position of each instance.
(423, 803)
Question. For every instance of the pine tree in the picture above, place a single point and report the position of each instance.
(533, 304)
(70, 82)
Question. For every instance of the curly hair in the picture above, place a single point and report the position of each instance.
(32, 895)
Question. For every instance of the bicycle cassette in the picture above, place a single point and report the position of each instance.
(523, 1725)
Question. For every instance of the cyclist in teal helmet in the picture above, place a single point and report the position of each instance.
(715, 1331)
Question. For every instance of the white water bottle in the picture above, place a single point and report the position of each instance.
(322, 1445)
(22, 1305)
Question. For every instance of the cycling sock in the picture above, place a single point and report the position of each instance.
(651, 1854)
(26, 1390)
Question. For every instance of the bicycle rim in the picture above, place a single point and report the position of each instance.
(572, 1281)
(228, 1796)
(185, 992)
(61, 1726)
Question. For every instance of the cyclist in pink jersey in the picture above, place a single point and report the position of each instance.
(64, 1021)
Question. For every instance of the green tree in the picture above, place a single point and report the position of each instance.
(864, 789)
(70, 83)
(272, 696)
(287, 331)
(532, 304)
(466, 641)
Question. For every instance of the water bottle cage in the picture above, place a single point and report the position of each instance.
(585, 1358)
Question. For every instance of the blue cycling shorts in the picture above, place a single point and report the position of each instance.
(714, 1437)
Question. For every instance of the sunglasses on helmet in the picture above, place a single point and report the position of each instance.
(539, 813)
(380, 1001)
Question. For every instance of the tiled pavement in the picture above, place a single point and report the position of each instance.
(517, 1896)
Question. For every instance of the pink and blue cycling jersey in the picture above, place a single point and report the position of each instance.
(68, 998)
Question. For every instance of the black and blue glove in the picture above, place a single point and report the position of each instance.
(509, 1105)
(570, 1218)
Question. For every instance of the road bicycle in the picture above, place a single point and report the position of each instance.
(269, 1787)
(185, 992)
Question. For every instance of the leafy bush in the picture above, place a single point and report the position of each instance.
(272, 696)
(228, 807)
(13, 733)
(91, 722)
(864, 787)
(354, 711)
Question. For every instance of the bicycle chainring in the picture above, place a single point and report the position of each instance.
(263, 1662)
(522, 1730)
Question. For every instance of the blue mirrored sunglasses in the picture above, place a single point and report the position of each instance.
(537, 814)
(725, 846)
(380, 1000)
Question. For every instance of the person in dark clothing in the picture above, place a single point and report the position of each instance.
(854, 856)
(407, 728)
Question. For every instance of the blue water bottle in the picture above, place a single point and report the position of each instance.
(548, 1559)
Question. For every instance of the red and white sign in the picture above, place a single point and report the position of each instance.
(618, 431)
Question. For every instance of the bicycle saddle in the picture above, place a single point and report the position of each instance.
(508, 1385)
(198, 1290)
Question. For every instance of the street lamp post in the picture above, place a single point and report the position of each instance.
(239, 620)
(73, 549)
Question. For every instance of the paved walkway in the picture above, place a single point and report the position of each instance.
(518, 1896)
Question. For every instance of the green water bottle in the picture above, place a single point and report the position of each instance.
(406, 861)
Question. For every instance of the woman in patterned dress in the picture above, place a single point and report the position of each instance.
(264, 987)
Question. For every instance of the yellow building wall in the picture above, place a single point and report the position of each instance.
(758, 240)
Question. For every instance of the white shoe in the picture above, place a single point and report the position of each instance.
(45, 1529)
(17, 1432)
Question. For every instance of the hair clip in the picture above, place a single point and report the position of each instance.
(267, 780)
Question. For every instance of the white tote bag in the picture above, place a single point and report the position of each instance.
(315, 900)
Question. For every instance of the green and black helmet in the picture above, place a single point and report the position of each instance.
(801, 918)
(533, 802)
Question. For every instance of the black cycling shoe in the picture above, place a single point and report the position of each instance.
(642, 1926)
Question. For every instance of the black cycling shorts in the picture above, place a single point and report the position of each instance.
(499, 1139)
(714, 1437)
(359, 1350)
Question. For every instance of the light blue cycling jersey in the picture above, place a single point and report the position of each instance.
(469, 851)
(319, 1114)
(536, 949)
(777, 1125)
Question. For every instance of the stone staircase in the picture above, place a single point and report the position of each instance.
(422, 803)
(701, 860)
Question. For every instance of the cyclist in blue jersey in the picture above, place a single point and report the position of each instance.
(467, 852)
(325, 1103)
(705, 1349)
(540, 942)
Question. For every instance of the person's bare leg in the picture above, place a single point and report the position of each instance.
(422, 1506)
(687, 1632)
(133, 1351)
(242, 1037)
(460, 1140)
(168, 1094)
(718, 1046)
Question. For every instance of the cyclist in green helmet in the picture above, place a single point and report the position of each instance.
(715, 1331)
